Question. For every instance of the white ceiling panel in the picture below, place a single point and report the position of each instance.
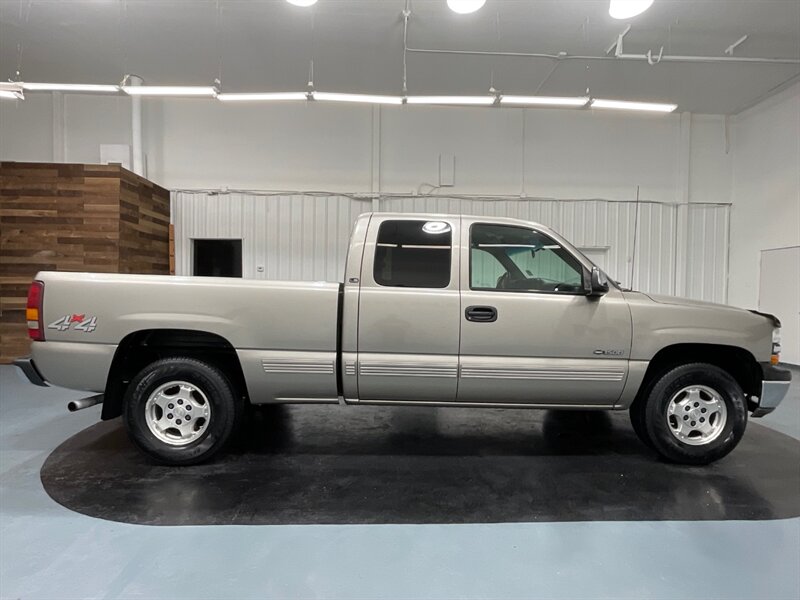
(357, 46)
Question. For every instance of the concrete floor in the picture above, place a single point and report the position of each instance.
(47, 551)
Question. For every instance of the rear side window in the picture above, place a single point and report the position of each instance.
(413, 254)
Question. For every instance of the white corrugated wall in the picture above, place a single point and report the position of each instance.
(289, 237)
(661, 248)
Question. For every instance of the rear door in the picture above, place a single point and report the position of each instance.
(409, 308)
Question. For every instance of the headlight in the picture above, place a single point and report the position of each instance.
(776, 347)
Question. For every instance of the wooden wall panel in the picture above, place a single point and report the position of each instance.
(73, 217)
(12, 342)
(144, 226)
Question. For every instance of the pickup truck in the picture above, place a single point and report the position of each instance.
(434, 310)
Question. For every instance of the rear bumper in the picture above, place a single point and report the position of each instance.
(74, 365)
(774, 387)
(28, 368)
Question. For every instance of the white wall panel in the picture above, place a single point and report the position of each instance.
(297, 237)
(766, 188)
(305, 237)
(707, 256)
(26, 129)
(191, 143)
(605, 154)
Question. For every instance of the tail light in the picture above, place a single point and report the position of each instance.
(34, 313)
(776, 347)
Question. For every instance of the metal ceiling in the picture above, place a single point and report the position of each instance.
(357, 46)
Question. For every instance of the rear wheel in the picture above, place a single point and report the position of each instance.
(180, 411)
(695, 414)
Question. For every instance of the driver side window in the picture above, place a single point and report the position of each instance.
(512, 258)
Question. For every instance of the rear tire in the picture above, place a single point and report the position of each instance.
(180, 411)
(695, 414)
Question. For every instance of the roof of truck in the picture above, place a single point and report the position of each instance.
(431, 216)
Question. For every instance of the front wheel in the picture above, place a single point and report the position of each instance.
(180, 411)
(695, 414)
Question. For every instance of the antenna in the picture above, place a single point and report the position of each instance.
(635, 231)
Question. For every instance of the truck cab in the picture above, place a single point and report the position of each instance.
(475, 311)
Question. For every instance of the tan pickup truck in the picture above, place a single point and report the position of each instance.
(434, 310)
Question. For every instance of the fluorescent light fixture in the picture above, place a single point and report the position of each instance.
(169, 90)
(368, 98)
(625, 9)
(70, 87)
(545, 100)
(9, 95)
(302, 2)
(464, 7)
(471, 100)
(11, 91)
(623, 105)
(245, 97)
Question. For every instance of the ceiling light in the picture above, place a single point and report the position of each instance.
(545, 100)
(368, 98)
(625, 9)
(168, 90)
(302, 2)
(464, 7)
(264, 97)
(69, 87)
(436, 227)
(11, 91)
(472, 100)
(9, 95)
(622, 105)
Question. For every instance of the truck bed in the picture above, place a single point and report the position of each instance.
(280, 328)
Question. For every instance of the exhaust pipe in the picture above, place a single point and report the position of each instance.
(85, 402)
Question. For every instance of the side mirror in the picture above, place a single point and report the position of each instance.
(599, 283)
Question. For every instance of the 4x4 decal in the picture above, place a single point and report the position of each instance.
(84, 323)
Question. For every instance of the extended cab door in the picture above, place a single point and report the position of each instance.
(529, 334)
(408, 317)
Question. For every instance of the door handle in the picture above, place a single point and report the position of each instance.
(481, 314)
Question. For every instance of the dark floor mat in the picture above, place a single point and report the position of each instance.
(329, 464)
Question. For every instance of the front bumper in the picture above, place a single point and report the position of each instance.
(30, 371)
(774, 386)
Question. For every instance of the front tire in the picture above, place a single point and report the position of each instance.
(695, 414)
(638, 421)
(180, 411)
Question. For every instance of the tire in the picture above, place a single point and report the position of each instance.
(695, 414)
(637, 414)
(638, 411)
(180, 411)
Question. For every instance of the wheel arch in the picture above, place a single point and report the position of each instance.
(737, 362)
(140, 348)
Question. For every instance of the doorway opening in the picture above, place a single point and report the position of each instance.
(217, 258)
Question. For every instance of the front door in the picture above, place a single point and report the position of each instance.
(529, 334)
(408, 324)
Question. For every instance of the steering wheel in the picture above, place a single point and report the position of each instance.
(509, 281)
